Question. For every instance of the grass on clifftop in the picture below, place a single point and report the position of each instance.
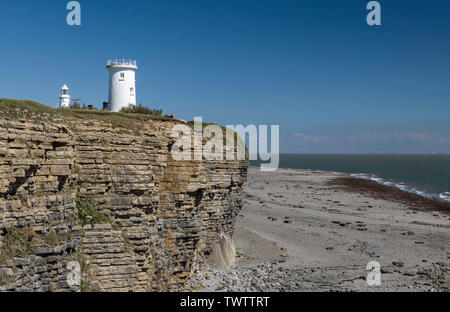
(8, 106)
(127, 118)
(24, 108)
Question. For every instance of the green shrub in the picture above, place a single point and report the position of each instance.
(87, 213)
(141, 109)
(85, 286)
(17, 242)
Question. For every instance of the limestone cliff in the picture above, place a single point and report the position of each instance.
(103, 190)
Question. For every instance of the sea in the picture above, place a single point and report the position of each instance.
(425, 175)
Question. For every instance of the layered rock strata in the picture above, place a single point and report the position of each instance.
(109, 197)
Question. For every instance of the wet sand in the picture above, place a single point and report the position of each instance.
(316, 231)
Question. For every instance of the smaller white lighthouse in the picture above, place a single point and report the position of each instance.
(64, 97)
(122, 84)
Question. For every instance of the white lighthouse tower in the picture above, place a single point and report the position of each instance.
(64, 97)
(122, 84)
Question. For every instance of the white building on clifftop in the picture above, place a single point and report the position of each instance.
(122, 84)
(64, 97)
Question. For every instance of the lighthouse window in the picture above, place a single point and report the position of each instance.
(122, 76)
(131, 91)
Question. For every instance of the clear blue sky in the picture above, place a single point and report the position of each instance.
(315, 68)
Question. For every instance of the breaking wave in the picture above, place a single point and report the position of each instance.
(444, 197)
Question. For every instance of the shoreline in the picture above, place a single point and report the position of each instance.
(371, 177)
(391, 193)
(299, 231)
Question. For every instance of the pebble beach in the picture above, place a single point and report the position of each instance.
(303, 230)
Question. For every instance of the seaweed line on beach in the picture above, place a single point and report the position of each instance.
(379, 191)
